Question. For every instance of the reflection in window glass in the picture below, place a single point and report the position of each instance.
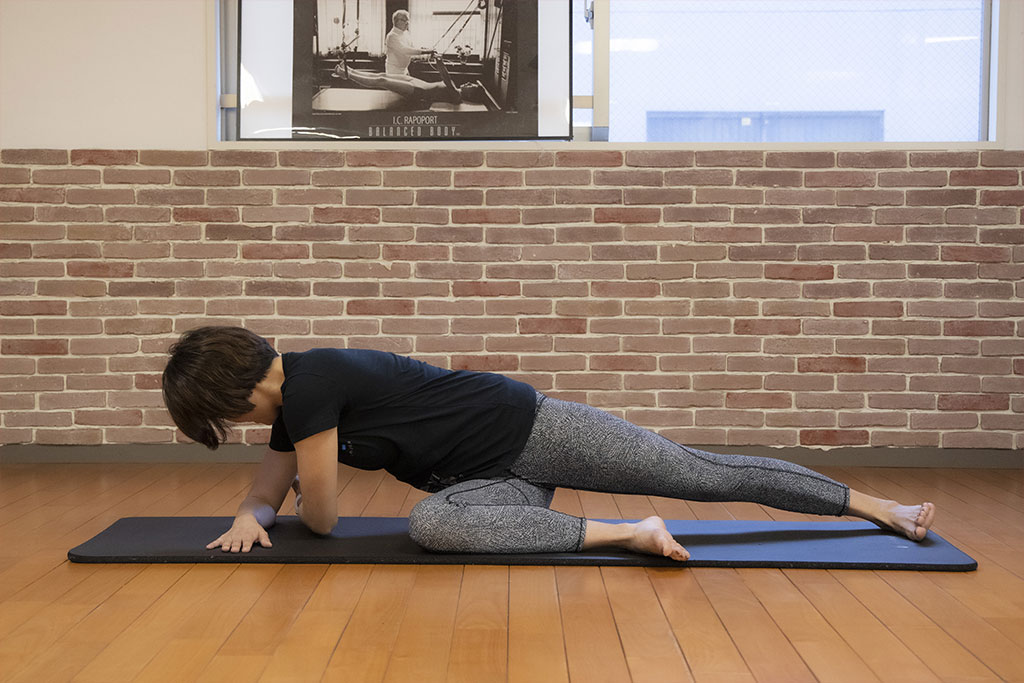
(795, 70)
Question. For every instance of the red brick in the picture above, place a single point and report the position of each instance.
(660, 158)
(380, 158)
(776, 271)
(560, 176)
(202, 214)
(323, 214)
(21, 176)
(449, 197)
(833, 437)
(70, 176)
(648, 178)
(588, 158)
(730, 158)
(766, 327)
(885, 159)
(159, 157)
(318, 159)
(34, 347)
(539, 197)
(414, 215)
(38, 157)
(33, 195)
(974, 402)
(800, 159)
(588, 196)
(133, 176)
(696, 214)
(1002, 158)
(868, 309)
(103, 157)
(100, 269)
(340, 178)
(479, 216)
(773, 178)
(660, 196)
(552, 326)
(242, 157)
(381, 307)
(520, 159)
(1002, 197)
(365, 197)
(449, 158)
(975, 254)
(831, 364)
(478, 288)
(712, 195)
(962, 159)
(978, 328)
(627, 215)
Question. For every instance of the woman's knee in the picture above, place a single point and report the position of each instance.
(427, 523)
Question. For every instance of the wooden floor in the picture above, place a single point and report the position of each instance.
(60, 621)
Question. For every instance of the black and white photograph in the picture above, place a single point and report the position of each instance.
(415, 69)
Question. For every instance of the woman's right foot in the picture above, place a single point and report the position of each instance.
(912, 521)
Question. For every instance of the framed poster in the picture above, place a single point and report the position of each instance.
(404, 69)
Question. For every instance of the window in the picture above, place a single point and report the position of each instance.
(794, 70)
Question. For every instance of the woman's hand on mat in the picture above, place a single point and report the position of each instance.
(244, 532)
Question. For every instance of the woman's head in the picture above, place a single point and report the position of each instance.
(400, 18)
(211, 373)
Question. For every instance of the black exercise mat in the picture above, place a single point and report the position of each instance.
(385, 540)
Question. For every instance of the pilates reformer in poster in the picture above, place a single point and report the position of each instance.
(413, 70)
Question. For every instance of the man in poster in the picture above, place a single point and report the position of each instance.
(399, 50)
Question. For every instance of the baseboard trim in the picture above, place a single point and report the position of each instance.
(810, 457)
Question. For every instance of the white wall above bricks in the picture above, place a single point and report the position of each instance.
(123, 74)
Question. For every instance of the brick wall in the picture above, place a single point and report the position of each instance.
(734, 297)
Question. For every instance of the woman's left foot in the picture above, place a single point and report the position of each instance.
(650, 536)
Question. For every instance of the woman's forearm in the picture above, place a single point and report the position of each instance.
(260, 509)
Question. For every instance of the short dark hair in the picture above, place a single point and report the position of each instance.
(209, 378)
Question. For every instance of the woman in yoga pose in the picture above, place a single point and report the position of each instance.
(491, 450)
(415, 89)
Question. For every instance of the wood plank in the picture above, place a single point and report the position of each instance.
(388, 499)
(52, 620)
(822, 649)
(128, 653)
(365, 647)
(191, 648)
(767, 651)
(307, 646)
(479, 651)
(652, 653)
(593, 651)
(933, 646)
(81, 644)
(888, 657)
(705, 643)
(424, 640)
(567, 501)
(598, 505)
(990, 646)
(536, 651)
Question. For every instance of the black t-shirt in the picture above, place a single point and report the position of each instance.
(423, 424)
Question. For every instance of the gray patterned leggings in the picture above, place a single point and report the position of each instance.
(577, 446)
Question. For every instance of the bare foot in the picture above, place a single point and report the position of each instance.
(913, 521)
(650, 536)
